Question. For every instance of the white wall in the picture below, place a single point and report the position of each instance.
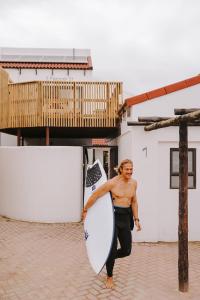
(164, 106)
(7, 140)
(150, 152)
(42, 184)
(169, 198)
(158, 204)
(133, 147)
(46, 74)
(125, 145)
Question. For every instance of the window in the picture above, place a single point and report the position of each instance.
(174, 168)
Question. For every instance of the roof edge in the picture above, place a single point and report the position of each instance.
(47, 65)
(174, 87)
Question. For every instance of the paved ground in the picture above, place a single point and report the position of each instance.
(48, 261)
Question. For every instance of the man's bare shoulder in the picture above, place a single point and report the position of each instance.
(111, 182)
(134, 182)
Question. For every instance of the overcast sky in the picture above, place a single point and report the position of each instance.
(144, 43)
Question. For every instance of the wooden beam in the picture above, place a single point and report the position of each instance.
(174, 121)
(152, 119)
(183, 209)
(183, 111)
(194, 123)
(135, 123)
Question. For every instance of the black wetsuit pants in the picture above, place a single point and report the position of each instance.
(123, 234)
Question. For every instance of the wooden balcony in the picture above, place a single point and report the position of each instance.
(59, 104)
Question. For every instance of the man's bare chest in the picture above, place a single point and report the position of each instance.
(122, 190)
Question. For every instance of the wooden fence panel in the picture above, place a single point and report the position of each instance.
(59, 104)
(23, 105)
(4, 104)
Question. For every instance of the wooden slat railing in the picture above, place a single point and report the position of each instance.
(61, 104)
(4, 103)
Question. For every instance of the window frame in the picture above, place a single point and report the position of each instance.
(193, 173)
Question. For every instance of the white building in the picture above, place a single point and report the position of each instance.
(152, 153)
(28, 64)
(32, 64)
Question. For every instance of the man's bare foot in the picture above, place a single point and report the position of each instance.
(109, 283)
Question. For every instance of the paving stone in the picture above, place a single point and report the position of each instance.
(49, 262)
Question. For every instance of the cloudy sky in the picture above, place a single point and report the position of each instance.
(144, 43)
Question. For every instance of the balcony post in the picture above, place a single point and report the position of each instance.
(47, 137)
(18, 137)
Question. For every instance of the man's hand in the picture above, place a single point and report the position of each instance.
(137, 223)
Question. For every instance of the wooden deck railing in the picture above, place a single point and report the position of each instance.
(60, 104)
(4, 80)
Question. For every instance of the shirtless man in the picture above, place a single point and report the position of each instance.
(123, 191)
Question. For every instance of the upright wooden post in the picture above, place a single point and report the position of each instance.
(18, 137)
(47, 136)
(183, 209)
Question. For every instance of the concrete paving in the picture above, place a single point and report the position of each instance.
(49, 261)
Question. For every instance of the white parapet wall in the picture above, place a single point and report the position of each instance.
(41, 184)
(8, 140)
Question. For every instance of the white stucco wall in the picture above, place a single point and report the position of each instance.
(150, 152)
(168, 199)
(158, 204)
(42, 184)
(164, 106)
(7, 140)
(46, 74)
(132, 147)
(125, 146)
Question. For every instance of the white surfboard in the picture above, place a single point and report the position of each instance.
(99, 221)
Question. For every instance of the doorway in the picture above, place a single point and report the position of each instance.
(108, 156)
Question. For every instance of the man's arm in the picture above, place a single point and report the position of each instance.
(135, 210)
(103, 189)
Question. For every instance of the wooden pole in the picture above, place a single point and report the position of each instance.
(47, 136)
(174, 121)
(152, 119)
(183, 111)
(18, 137)
(135, 123)
(183, 209)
